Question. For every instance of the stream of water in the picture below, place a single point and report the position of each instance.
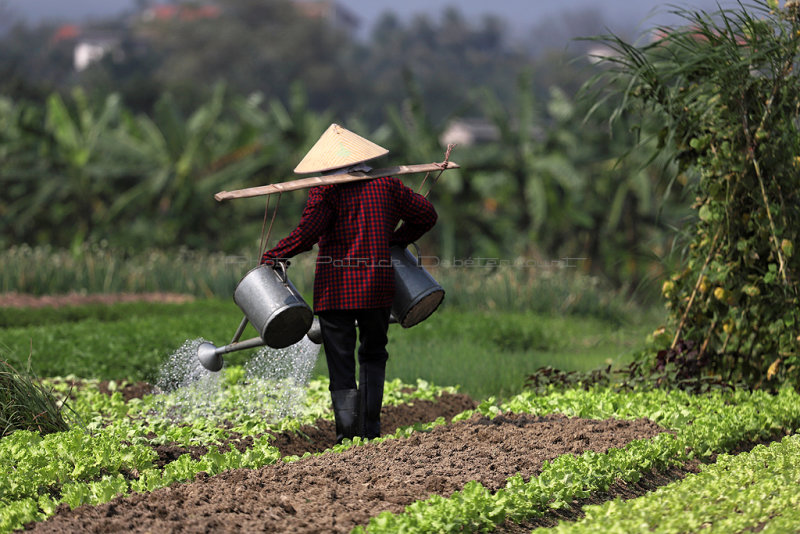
(273, 383)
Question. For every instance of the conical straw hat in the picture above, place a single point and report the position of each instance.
(338, 147)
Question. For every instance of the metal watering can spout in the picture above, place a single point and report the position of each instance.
(210, 355)
(209, 358)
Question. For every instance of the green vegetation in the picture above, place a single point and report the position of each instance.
(125, 184)
(128, 181)
(487, 353)
(111, 186)
(738, 486)
(492, 353)
(559, 287)
(728, 91)
(703, 424)
(132, 346)
(124, 157)
(265, 47)
(498, 323)
(94, 269)
(27, 405)
(79, 467)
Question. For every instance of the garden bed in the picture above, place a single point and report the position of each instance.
(337, 492)
(531, 461)
(227, 452)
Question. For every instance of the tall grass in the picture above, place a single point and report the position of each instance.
(486, 353)
(27, 405)
(100, 269)
(553, 289)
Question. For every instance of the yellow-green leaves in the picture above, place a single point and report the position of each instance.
(729, 95)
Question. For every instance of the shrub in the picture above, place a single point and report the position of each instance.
(727, 87)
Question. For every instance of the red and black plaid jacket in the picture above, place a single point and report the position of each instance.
(354, 224)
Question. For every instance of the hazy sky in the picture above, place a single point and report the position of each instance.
(520, 14)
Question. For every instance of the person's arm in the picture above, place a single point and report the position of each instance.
(316, 216)
(418, 216)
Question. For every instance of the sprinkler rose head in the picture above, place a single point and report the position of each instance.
(207, 354)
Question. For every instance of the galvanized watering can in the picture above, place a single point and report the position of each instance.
(416, 296)
(273, 306)
(416, 293)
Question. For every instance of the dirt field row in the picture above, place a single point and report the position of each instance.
(336, 492)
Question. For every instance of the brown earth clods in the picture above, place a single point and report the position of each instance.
(322, 435)
(336, 492)
(128, 390)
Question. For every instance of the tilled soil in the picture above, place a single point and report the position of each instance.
(336, 492)
(322, 435)
(134, 390)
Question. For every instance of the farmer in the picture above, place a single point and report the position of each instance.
(354, 224)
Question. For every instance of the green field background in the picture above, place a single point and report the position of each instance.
(486, 353)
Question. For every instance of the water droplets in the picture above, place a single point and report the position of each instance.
(183, 369)
(187, 388)
(271, 384)
(278, 377)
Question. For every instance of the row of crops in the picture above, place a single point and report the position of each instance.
(111, 453)
(749, 491)
(704, 426)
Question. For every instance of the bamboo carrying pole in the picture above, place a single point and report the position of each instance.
(305, 183)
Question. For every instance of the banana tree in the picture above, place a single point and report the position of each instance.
(182, 162)
(67, 190)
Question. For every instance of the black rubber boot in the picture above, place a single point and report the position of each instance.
(370, 396)
(345, 412)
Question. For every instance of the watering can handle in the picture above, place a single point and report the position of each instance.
(416, 249)
(239, 330)
(282, 273)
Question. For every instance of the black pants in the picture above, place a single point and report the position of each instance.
(339, 339)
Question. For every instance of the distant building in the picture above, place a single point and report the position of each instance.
(335, 13)
(472, 132)
(89, 51)
(91, 45)
(88, 46)
(468, 132)
(66, 32)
